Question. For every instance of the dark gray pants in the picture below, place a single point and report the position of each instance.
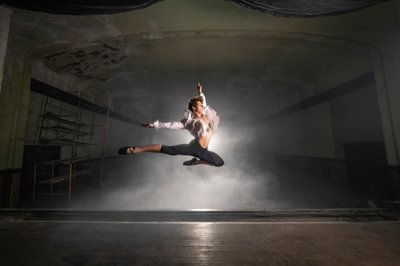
(193, 149)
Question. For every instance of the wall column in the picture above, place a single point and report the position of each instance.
(5, 16)
(386, 67)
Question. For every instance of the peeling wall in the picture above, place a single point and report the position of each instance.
(5, 15)
(14, 102)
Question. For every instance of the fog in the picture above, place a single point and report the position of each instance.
(245, 89)
(249, 180)
(158, 181)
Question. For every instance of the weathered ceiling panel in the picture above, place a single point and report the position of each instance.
(288, 8)
(306, 8)
(80, 7)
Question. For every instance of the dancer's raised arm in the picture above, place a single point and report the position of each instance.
(199, 88)
(201, 94)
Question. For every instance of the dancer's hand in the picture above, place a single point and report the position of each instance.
(148, 125)
(199, 87)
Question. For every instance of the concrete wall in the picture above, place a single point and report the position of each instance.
(304, 133)
(386, 66)
(356, 117)
(375, 109)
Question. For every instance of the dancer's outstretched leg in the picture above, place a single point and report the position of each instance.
(140, 149)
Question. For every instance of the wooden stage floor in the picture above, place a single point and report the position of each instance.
(301, 237)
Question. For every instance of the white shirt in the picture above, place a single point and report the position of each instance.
(196, 126)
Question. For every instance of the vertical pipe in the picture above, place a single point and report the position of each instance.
(52, 178)
(70, 183)
(105, 138)
(34, 183)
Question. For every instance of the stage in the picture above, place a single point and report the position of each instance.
(200, 237)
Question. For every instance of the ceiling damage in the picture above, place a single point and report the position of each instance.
(143, 53)
(86, 63)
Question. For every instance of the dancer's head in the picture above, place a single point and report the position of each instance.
(196, 104)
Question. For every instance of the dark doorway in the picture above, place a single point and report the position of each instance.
(366, 169)
(32, 154)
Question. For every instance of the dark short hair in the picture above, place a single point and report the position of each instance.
(193, 101)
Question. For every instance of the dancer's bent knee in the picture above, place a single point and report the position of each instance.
(212, 158)
(219, 163)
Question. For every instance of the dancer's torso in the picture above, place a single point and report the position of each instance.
(202, 131)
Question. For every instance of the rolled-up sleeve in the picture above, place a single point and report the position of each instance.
(169, 125)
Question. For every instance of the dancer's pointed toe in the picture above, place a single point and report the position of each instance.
(123, 150)
(127, 150)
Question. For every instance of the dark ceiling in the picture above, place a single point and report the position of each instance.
(288, 8)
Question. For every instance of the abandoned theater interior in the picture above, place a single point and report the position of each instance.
(307, 95)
